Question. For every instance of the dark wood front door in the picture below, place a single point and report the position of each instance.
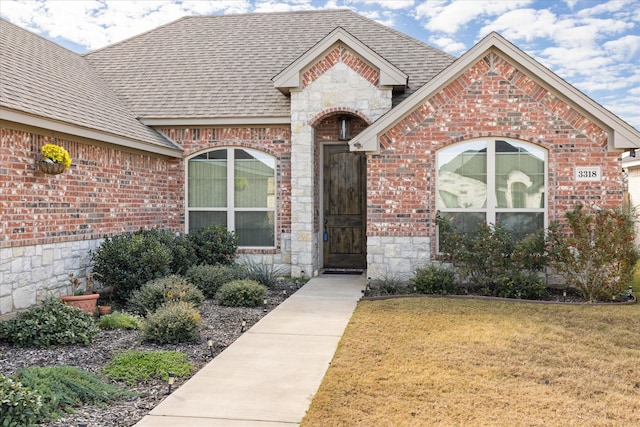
(344, 208)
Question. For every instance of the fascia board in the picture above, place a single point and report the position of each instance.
(65, 128)
(621, 134)
(218, 121)
(290, 77)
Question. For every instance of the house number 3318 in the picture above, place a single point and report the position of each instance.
(588, 174)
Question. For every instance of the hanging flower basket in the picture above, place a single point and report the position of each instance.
(54, 160)
(49, 167)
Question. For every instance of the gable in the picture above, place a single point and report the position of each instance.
(495, 56)
(339, 46)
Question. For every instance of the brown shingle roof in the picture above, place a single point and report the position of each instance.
(221, 66)
(41, 78)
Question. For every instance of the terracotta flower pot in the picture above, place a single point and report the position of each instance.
(103, 310)
(86, 303)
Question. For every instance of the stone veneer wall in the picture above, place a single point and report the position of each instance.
(339, 82)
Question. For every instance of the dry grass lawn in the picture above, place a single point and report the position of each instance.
(454, 362)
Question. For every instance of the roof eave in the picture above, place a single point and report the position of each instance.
(621, 135)
(217, 121)
(70, 129)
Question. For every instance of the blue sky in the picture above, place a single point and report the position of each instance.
(594, 45)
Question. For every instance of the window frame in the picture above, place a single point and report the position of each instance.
(231, 209)
(491, 209)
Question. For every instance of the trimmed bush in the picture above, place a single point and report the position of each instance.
(19, 405)
(128, 261)
(172, 323)
(521, 285)
(432, 279)
(51, 323)
(119, 320)
(135, 366)
(387, 285)
(214, 245)
(65, 387)
(157, 292)
(242, 293)
(265, 274)
(209, 278)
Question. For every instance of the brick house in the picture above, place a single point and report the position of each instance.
(323, 139)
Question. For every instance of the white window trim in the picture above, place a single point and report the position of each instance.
(491, 210)
(231, 218)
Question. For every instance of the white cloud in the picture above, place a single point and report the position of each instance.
(448, 44)
(607, 7)
(282, 6)
(626, 48)
(523, 24)
(386, 4)
(449, 18)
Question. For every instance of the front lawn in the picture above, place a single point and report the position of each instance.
(440, 361)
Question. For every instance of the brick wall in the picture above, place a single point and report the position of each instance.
(491, 99)
(106, 191)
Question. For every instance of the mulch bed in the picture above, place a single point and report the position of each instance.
(222, 324)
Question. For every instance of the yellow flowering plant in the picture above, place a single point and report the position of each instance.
(56, 154)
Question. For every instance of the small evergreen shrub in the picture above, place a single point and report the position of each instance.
(20, 406)
(521, 285)
(209, 278)
(172, 323)
(135, 366)
(214, 245)
(119, 320)
(432, 279)
(265, 274)
(128, 261)
(157, 292)
(50, 323)
(65, 387)
(241, 293)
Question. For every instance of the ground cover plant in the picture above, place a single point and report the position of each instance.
(134, 366)
(443, 362)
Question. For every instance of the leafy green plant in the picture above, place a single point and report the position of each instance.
(241, 293)
(597, 254)
(265, 274)
(118, 320)
(172, 323)
(128, 261)
(214, 245)
(432, 279)
(157, 292)
(209, 278)
(20, 406)
(50, 323)
(135, 366)
(65, 387)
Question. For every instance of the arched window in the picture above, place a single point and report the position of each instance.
(492, 180)
(234, 187)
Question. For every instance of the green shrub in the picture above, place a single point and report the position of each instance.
(157, 292)
(521, 285)
(134, 366)
(214, 245)
(265, 274)
(65, 387)
(50, 323)
(241, 293)
(128, 261)
(172, 323)
(387, 285)
(209, 278)
(19, 405)
(119, 320)
(432, 279)
(597, 256)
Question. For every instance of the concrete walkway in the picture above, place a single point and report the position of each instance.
(269, 375)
